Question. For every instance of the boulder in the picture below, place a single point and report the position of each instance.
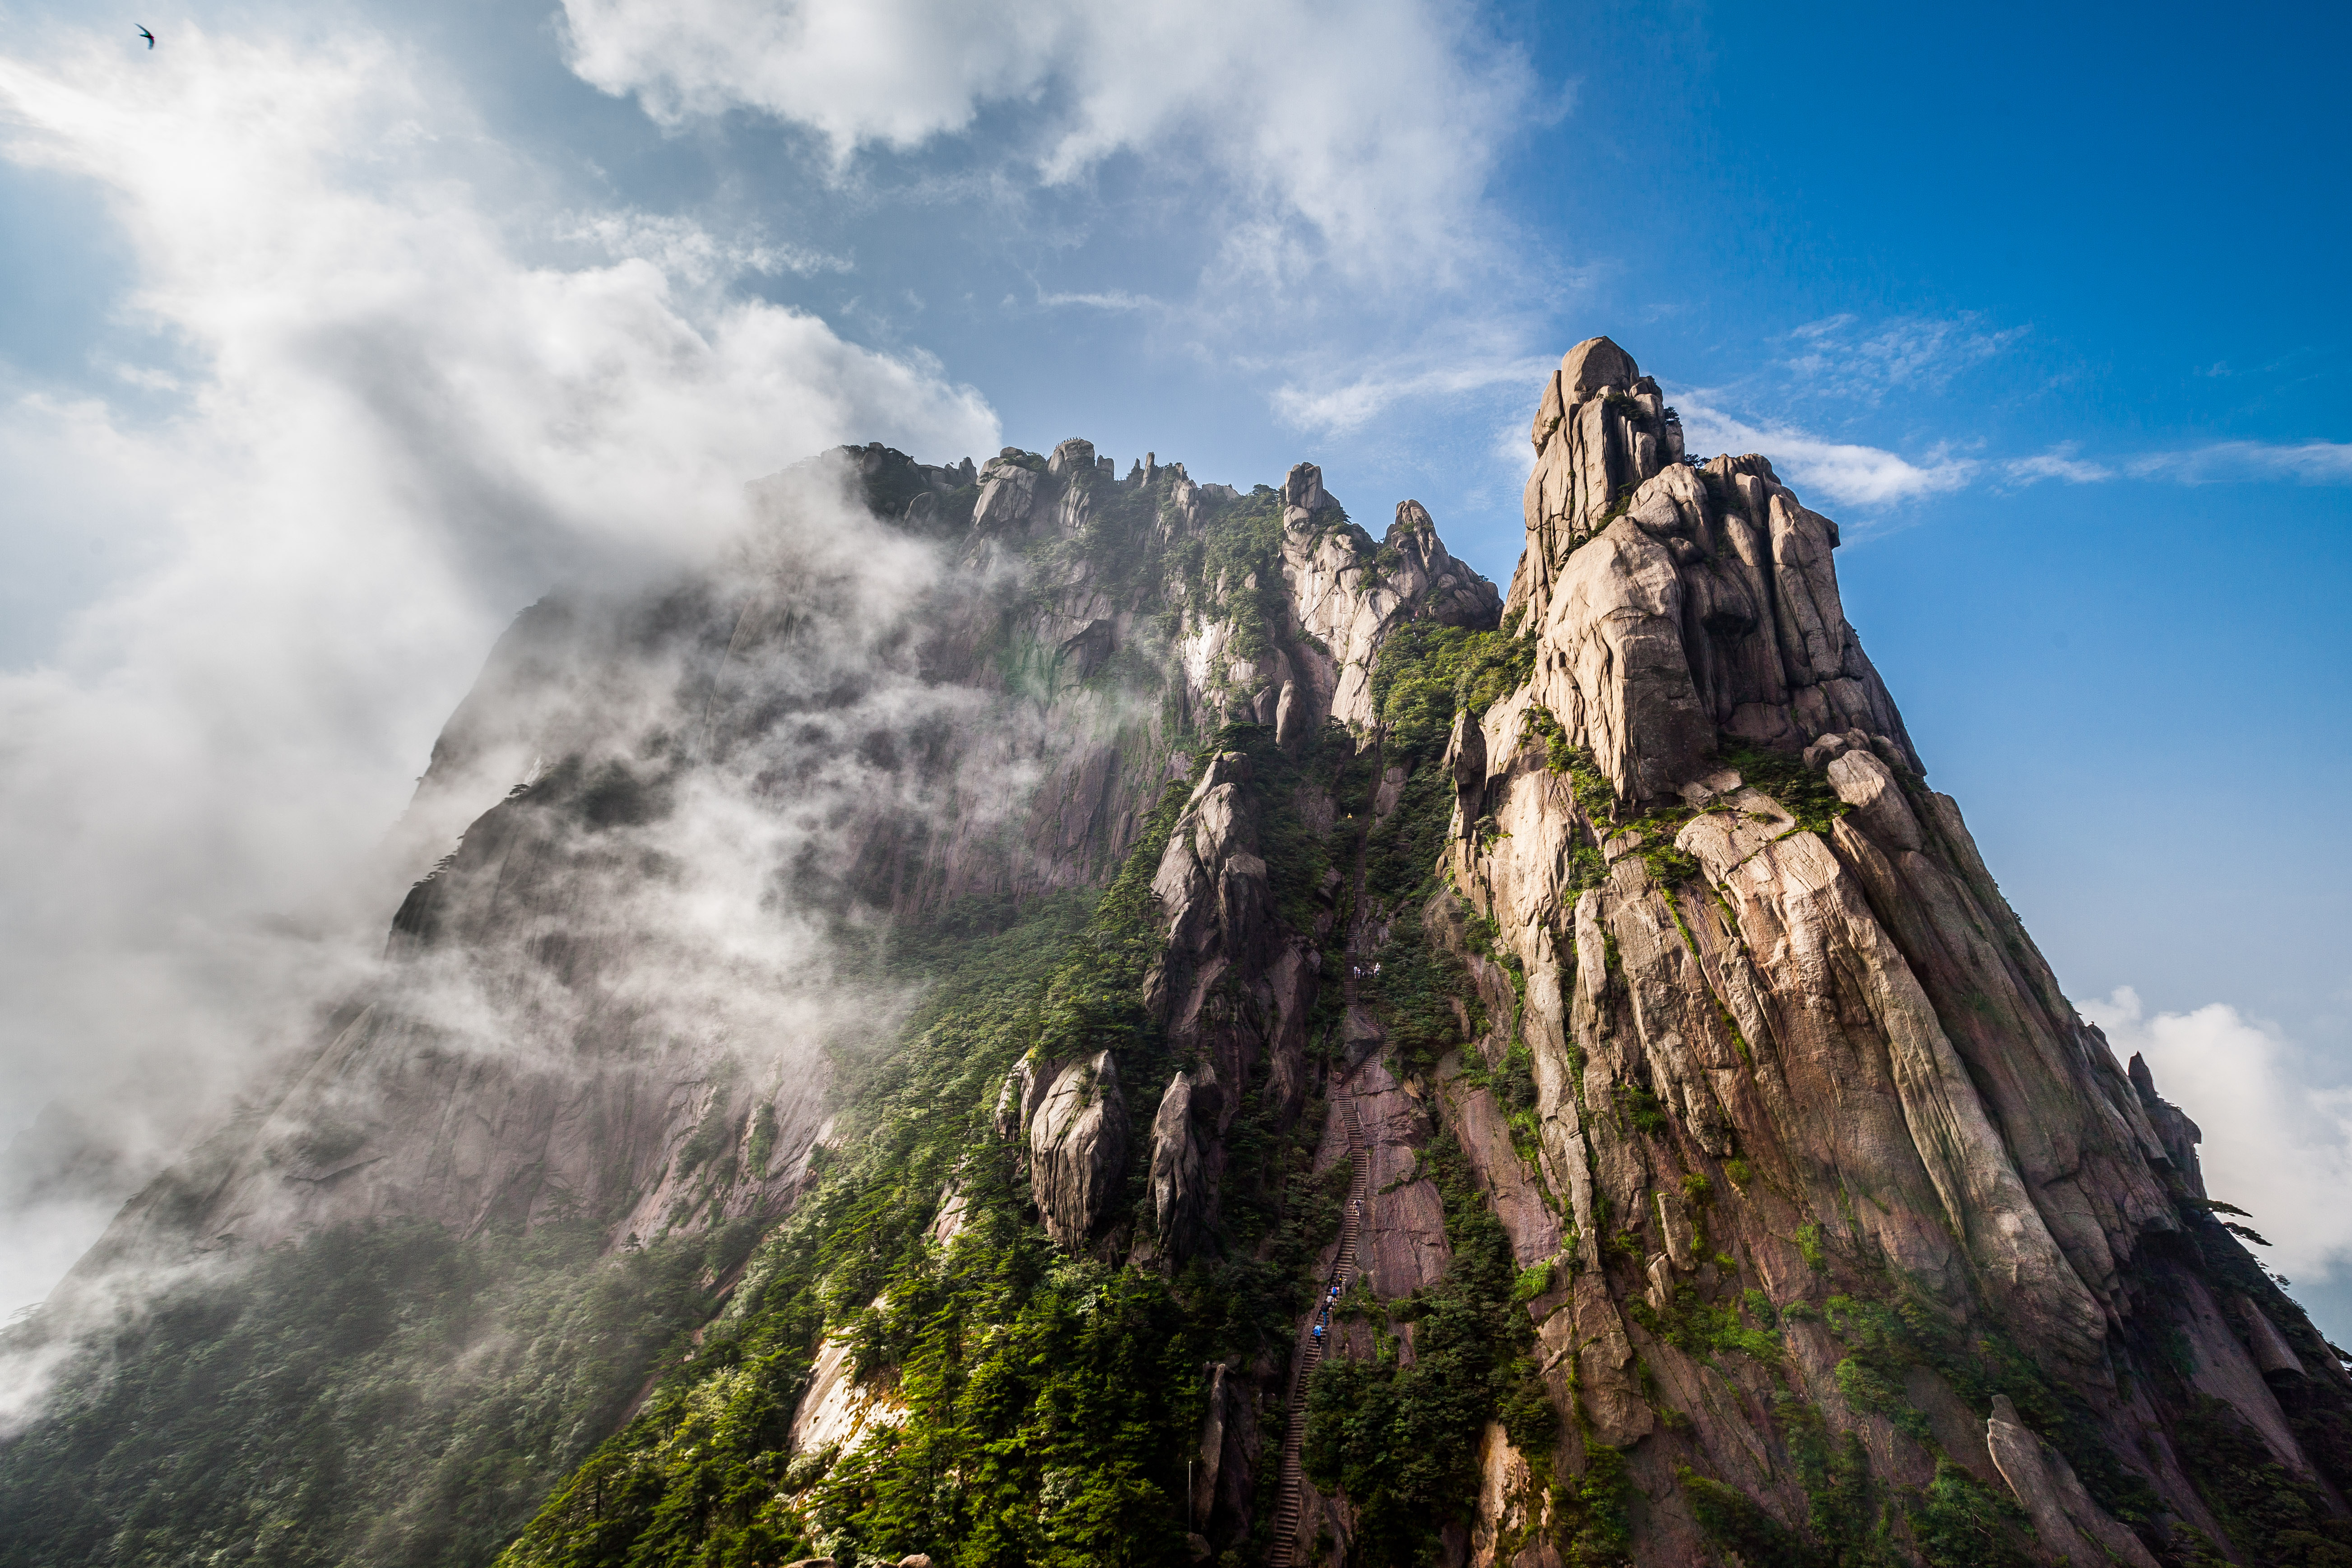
(1071, 459)
(1594, 365)
(1212, 1445)
(1466, 759)
(1868, 785)
(1290, 715)
(1077, 1151)
(1303, 488)
(1008, 493)
(1211, 882)
(1182, 1184)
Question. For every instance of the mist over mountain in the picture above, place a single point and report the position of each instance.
(1024, 1012)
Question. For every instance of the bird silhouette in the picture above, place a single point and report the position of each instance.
(148, 36)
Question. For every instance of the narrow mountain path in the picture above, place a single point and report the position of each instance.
(1309, 1353)
(1357, 926)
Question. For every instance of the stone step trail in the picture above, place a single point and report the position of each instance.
(1309, 1354)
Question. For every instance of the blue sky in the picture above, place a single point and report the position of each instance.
(330, 336)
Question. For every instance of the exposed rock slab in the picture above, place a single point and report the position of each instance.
(2064, 1515)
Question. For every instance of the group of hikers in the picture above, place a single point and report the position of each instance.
(1323, 1318)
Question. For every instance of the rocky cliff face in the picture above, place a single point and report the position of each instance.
(1137, 940)
(1793, 1054)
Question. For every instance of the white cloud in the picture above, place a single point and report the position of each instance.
(2309, 462)
(1835, 359)
(2312, 462)
(1841, 472)
(1340, 409)
(1099, 300)
(1357, 135)
(2058, 463)
(687, 253)
(2275, 1144)
(1843, 359)
(396, 424)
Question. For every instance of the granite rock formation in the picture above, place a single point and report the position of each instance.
(1868, 1081)
(1570, 1014)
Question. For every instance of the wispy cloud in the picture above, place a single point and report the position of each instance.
(2058, 463)
(1337, 410)
(1844, 473)
(2219, 462)
(1847, 361)
(1858, 474)
(1095, 299)
(687, 253)
(2310, 462)
(1840, 356)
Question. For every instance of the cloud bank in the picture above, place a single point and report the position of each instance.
(1357, 136)
(2273, 1141)
(376, 416)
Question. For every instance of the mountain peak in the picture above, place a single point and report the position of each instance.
(1203, 1030)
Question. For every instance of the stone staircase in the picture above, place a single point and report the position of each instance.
(1309, 1354)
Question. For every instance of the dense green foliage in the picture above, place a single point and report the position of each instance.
(1850, 1519)
(1845, 1527)
(1805, 794)
(1402, 1440)
(1954, 1522)
(1427, 673)
(1705, 1329)
(1050, 1402)
(1013, 1362)
(1235, 567)
(1959, 1523)
(2282, 1518)
(386, 1394)
(1883, 1336)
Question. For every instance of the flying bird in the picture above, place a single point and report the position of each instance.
(148, 36)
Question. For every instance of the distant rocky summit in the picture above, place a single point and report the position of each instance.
(1073, 1018)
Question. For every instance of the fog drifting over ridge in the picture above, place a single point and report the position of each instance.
(385, 425)
(394, 380)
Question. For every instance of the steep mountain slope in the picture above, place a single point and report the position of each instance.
(1117, 1020)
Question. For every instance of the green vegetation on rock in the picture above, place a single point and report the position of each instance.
(1402, 1441)
(387, 1393)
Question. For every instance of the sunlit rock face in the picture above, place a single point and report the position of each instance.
(1676, 603)
(1750, 910)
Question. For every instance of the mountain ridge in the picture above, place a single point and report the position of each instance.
(954, 967)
